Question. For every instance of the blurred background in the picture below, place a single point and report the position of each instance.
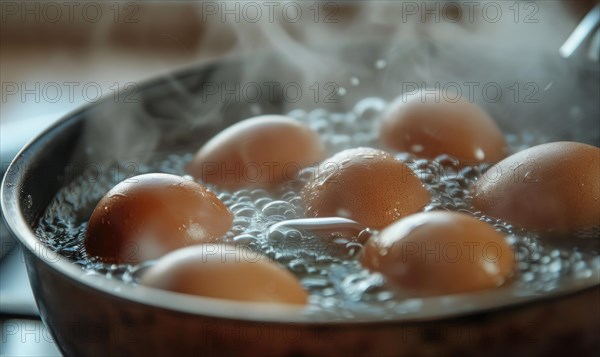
(58, 56)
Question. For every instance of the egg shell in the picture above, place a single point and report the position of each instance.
(438, 253)
(549, 187)
(149, 215)
(429, 125)
(225, 272)
(367, 185)
(260, 152)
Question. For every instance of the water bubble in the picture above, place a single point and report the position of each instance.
(367, 108)
(385, 296)
(328, 292)
(315, 282)
(583, 274)
(245, 239)
(262, 202)
(297, 114)
(280, 208)
(298, 266)
(528, 276)
(555, 266)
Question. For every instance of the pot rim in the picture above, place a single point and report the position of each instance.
(417, 309)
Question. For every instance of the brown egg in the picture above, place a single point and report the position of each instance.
(549, 187)
(428, 127)
(367, 185)
(438, 253)
(261, 152)
(149, 215)
(225, 272)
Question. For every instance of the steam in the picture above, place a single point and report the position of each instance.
(384, 46)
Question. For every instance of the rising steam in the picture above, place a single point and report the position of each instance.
(378, 48)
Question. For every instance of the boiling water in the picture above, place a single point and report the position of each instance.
(330, 271)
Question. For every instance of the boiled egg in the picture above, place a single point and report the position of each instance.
(225, 272)
(367, 185)
(430, 124)
(260, 152)
(549, 187)
(439, 253)
(148, 215)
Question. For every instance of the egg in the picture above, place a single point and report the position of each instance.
(225, 272)
(438, 253)
(149, 215)
(260, 152)
(553, 187)
(429, 125)
(367, 185)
